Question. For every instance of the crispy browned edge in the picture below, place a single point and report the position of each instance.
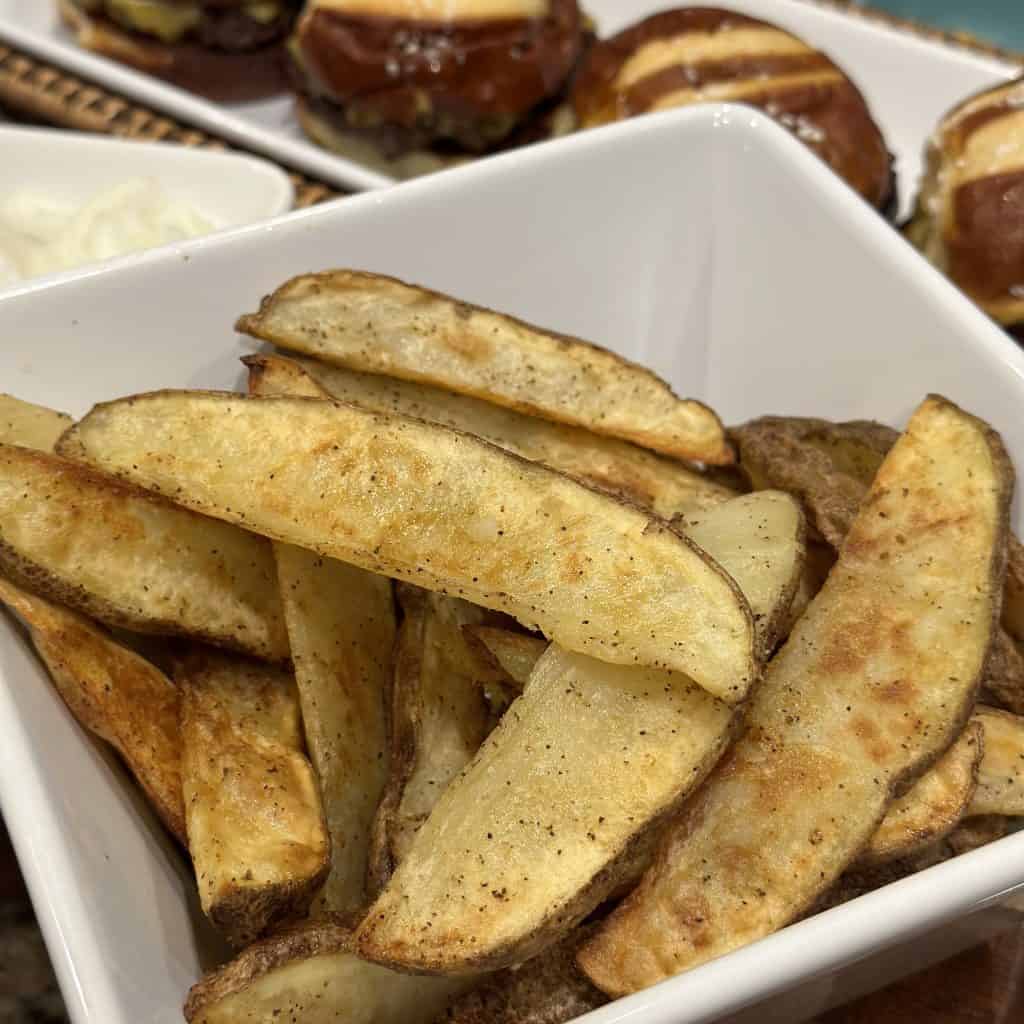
(403, 725)
(934, 831)
(328, 935)
(243, 915)
(252, 324)
(39, 580)
(548, 989)
(618, 876)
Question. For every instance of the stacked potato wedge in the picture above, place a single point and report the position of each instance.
(473, 694)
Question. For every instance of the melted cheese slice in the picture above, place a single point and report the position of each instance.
(738, 90)
(438, 10)
(699, 47)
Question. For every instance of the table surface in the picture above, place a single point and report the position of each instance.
(984, 985)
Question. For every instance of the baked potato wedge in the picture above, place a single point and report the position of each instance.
(443, 510)
(512, 654)
(548, 989)
(438, 720)
(1001, 773)
(341, 625)
(31, 426)
(114, 694)
(933, 806)
(873, 685)
(311, 974)
(132, 560)
(378, 324)
(665, 486)
(255, 823)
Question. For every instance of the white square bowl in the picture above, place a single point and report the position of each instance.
(705, 243)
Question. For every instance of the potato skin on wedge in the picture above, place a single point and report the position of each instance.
(115, 694)
(256, 829)
(443, 510)
(874, 683)
(1001, 772)
(378, 324)
(665, 486)
(132, 560)
(311, 974)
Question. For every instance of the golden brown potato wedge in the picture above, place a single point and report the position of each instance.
(341, 624)
(438, 720)
(443, 510)
(32, 426)
(377, 324)
(549, 989)
(662, 484)
(1001, 774)
(256, 828)
(933, 806)
(114, 694)
(874, 683)
(132, 560)
(513, 654)
(531, 837)
(558, 809)
(311, 974)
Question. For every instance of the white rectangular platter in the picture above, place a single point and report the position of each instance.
(909, 81)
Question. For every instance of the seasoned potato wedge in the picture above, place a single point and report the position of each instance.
(255, 823)
(341, 624)
(514, 654)
(380, 325)
(559, 807)
(438, 719)
(113, 693)
(32, 426)
(662, 484)
(531, 836)
(548, 989)
(1001, 774)
(933, 806)
(1004, 676)
(132, 560)
(443, 510)
(310, 974)
(873, 685)
(1013, 600)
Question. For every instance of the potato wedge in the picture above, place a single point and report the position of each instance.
(558, 809)
(114, 694)
(1004, 676)
(31, 426)
(378, 324)
(310, 974)
(443, 510)
(548, 989)
(876, 680)
(514, 654)
(341, 625)
(663, 485)
(1013, 601)
(256, 828)
(132, 560)
(529, 839)
(1001, 774)
(438, 720)
(933, 806)
(976, 832)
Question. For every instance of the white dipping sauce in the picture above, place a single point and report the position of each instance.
(41, 235)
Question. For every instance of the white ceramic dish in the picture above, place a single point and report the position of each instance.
(909, 81)
(227, 189)
(705, 243)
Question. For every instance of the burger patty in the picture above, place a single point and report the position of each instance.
(229, 29)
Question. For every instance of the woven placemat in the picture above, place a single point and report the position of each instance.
(33, 89)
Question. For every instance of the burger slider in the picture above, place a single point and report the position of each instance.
(408, 86)
(703, 54)
(969, 219)
(224, 49)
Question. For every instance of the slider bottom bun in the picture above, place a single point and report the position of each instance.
(360, 147)
(216, 74)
